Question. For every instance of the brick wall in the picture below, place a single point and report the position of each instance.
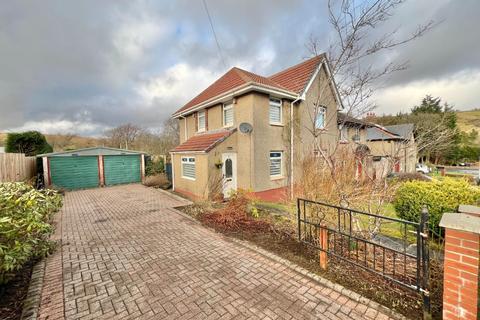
(461, 274)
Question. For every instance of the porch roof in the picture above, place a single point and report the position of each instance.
(204, 142)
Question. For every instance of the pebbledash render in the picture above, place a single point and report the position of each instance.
(251, 132)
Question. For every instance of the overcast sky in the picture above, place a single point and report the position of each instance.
(84, 66)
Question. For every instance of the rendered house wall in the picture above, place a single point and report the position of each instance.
(320, 93)
(197, 188)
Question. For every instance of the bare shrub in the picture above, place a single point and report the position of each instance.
(215, 182)
(239, 214)
(157, 181)
(347, 181)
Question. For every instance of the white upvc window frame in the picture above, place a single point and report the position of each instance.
(188, 160)
(320, 110)
(226, 107)
(275, 103)
(202, 114)
(279, 175)
(343, 133)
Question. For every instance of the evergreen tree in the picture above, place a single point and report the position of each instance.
(30, 142)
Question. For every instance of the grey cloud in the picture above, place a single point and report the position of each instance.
(62, 60)
(449, 48)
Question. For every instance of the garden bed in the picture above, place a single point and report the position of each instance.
(25, 229)
(13, 294)
(276, 234)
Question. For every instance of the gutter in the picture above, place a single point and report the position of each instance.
(251, 86)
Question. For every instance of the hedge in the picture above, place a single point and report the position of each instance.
(439, 196)
(25, 215)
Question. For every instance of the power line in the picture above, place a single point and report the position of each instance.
(214, 34)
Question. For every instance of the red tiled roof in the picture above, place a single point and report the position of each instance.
(297, 77)
(293, 79)
(204, 142)
(234, 78)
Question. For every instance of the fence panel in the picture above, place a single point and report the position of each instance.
(16, 167)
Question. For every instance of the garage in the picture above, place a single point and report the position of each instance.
(92, 167)
(121, 169)
(74, 172)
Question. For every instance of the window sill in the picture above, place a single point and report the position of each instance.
(187, 178)
(277, 178)
(277, 124)
(343, 141)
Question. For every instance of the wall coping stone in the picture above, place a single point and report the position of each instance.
(469, 209)
(461, 221)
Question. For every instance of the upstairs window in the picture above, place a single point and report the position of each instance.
(188, 168)
(201, 121)
(320, 116)
(356, 136)
(275, 111)
(275, 164)
(228, 115)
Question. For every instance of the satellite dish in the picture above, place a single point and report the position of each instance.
(245, 127)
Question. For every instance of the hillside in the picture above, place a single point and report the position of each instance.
(65, 142)
(468, 120)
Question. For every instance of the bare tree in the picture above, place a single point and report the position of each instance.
(356, 69)
(123, 136)
(60, 142)
(354, 53)
(154, 142)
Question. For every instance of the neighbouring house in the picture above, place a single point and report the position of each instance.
(380, 150)
(251, 132)
(2, 149)
(353, 140)
(352, 131)
(393, 147)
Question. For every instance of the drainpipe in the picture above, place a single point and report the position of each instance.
(173, 169)
(291, 145)
(185, 129)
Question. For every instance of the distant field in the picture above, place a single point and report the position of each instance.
(468, 120)
(63, 142)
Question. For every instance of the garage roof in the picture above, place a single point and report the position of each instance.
(95, 151)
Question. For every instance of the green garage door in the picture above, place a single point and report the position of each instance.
(74, 172)
(121, 169)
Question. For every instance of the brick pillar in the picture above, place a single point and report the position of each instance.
(142, 167)
(461, 265)
(101, 171)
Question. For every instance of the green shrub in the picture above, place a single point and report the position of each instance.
(25, 215)
(154, 167)
(439, 196)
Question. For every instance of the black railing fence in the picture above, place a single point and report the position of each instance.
(392, 248)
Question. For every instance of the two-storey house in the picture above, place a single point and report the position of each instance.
(247, 131)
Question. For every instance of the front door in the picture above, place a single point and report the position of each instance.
(229, 170)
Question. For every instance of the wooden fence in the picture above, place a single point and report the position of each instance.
(16, 167)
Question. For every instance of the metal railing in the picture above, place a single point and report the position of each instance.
(392, 248)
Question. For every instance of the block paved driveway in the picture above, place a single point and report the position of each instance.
(127, 254)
